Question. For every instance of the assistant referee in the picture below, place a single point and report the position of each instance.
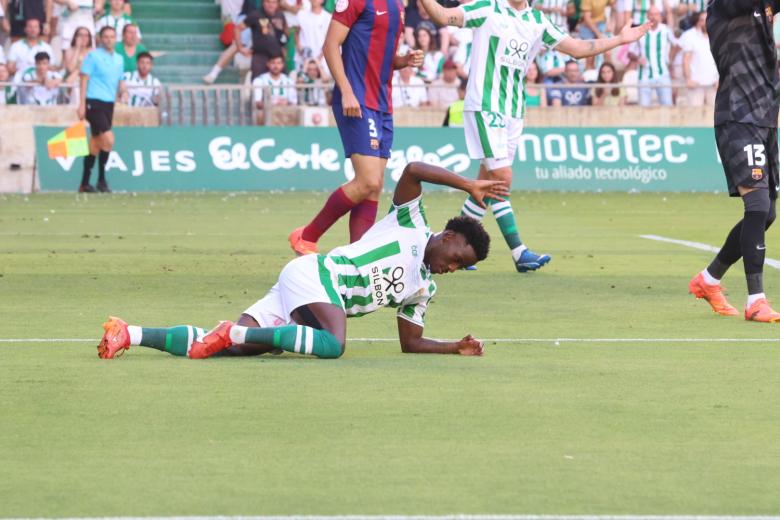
(101, 83)
(746, 111)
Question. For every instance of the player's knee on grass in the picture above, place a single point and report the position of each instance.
(327, 346)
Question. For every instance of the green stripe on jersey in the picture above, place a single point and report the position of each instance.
(358, 300)
(502, 91)
(387, 250)
(476, 22)
(483, 135)
(658, 44)
(516, 84)
(326, 282)
(404, 218)
(476, 5)
(487, 88)
(349, 281)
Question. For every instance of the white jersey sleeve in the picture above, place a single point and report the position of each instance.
(552, 35)
(475, 13)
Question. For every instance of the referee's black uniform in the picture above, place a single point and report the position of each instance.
(746, 111)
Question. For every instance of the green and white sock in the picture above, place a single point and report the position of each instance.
(472, 209)
(292, 338)
(505, 218)
(174, 340)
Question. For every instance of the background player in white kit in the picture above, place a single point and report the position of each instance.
(306, 311)
(508, 35)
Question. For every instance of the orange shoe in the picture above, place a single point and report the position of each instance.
(299, 245)
(215, 340)
(115, 339)
(762, 312)
(713, 294)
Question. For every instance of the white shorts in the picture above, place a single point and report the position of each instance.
(301, 282)
(492, 137)
(624, 6)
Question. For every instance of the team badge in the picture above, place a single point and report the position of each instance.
(374, 143)
(758, 173)
(341, 5)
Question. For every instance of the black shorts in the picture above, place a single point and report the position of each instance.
(100, 116)
(749, 156)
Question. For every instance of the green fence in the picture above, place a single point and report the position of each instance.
(272, 158)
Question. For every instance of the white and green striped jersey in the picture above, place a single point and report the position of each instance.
(642, 6)
(556, 18)
(117, 22)
(38, 94)
(550, 60)
(505, 42)
(282, 88)
(143, 91)
(655, 47)
(432, 67)
(384, 268)
(8, 95)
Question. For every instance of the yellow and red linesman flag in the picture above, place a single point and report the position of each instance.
(71, 142)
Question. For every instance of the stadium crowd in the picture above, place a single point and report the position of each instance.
(43, 44)
(277, 45)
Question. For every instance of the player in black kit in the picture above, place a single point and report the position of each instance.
(746, 111)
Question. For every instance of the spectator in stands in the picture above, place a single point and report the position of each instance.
(641, 11)
(18, 12)
(269, 36)
(653, 52)
(243, 60)
(454, 116)
(130, 47)
(444, 90)
(21, 55)
(313, 26)
(556, 10)
(116, 18)
(408, 89)
(143, 89)
(2, 55)
(7, 92)
(622, 12)
(699, 68)
(5, 27)
(47, 83)
(75, 15)
(687, 8)
(552, 65)
(282, 88)
(73, 58)
(609, 97)
(417, 15)
(570, 96)
(311, 96)
(593, 24)
(433, 59)
(535, 95)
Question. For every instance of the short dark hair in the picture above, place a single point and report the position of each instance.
(124, 29)
(41, 56)
(104, 29)
(275, 55)
(143, 55)
(473, 232)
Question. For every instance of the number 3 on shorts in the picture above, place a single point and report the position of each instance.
(755, 154)
(372, 128)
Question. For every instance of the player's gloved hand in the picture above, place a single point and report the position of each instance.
(469, 346)
(631, 34)
(415, 58)
(350, 104)
(480, 189)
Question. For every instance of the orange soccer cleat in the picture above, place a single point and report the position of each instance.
(713, 294)
(116, 338)
(215, 340)
(761, 311)
(299, 245)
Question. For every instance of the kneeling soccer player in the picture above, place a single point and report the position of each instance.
(306, 311)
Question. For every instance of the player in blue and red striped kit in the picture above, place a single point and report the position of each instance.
(361, 51)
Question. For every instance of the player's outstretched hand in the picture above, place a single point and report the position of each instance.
(469, 346)
(350, 105)
(631, 34)
(493, 189)
(415, 58)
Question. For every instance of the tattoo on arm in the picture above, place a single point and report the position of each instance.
(452, 20)
(592, 46)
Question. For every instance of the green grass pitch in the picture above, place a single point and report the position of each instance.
(532, 427)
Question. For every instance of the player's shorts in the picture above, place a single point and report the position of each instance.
(492, 137)
(749, 156)
(100, 116)
(302, 281)
(370, 135)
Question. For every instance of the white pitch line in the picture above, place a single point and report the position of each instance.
(771, 262)
(487, 340)
(425, 517)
